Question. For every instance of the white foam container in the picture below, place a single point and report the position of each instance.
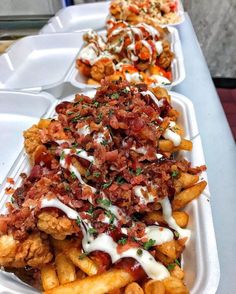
(75, 18)
(200, 258)
(47, 63)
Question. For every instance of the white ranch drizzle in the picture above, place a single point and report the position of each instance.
(151, 30)
(138, 192)
(148, 46)
(160, 80)
(159, 47)
(83, 131)
(155, 270)
(170, 135)
(167, 214)
(89, 53)
(153, 97)
(134, 77)
(143, 150)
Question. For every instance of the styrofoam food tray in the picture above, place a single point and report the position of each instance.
(200, 259)
(177, 66)
(75, 18)
(18, 111)
(47, 63)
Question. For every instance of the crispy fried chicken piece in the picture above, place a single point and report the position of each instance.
(34, 251)
(32, 140)
(57, 227)
(102, 68)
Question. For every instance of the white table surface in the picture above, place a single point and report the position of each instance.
(219, 149)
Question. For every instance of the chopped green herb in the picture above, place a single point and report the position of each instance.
(92, 231)
(138, 171)
(78, 221)
(67, 129)
(99, 118)
(12, 199)
(110, 112)
(122, 241)
(177, 262)
(87, 173)
(176, 234)
(175, 174)
(62, 155)
(79, 151)
(73, 175)
(70, 112)
(96, 103)
(96, 174)
(149, 244)
(104, 142)
(111, 216)
(91, 210)
(139, 252)
(83, 255)
(74, 145)
(120, 180)
(104, 202)
(76, 118)
(67, 187)
(170, 266)
(106, 185)
(126, 91)
(115, 96)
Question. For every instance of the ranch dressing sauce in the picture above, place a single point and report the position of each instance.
(155, 270)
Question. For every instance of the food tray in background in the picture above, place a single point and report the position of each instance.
(77, 17)
(18, 111)
(177, 66)
(200, 259)
(47, 63)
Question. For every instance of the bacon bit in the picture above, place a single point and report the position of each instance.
(9, 191)
(10, 181)
(129, 244)
(111, 155)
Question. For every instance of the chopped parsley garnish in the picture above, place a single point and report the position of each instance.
(96, 174)
(74, 145)
(62, 155)
(99, 118)
(79, 151)
(122, 241)
(12, 200)
(67, 129)
(115, 96)
(138, 171)
(104, 202)
(120, 180)
(96, 103)
(67, 187)
(147, 245)
(111, 216)
(87, 173)
(126, 91)
(104, 142)
(110, 112)
(177, 262)
(171, 266)
(175, 174)
(91, 210)
(176, 234)
(78, 221)
(92, 231)
(76, 118)
(70, 112)
(83, 255)
(73, 175)
(139, 252)
(106, 185)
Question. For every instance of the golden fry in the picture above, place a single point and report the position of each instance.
(168, 249)
(177, 272)
(186, 196)
(154, 287)
(174, 286)
(49, 277)
(65, 269)
(181, 218)
(98, 284)
(93, 82)
(133, 288)
(188, 180)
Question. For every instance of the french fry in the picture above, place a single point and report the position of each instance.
(83, 262)
(49, 277)
(181, 218)
(184, 145)
(44, 123)
(98, 284)
(133, 288)
(168, 249)
(188, 180)
(168, 146)
(154, 287)
(174, 286)
(187, 195)
(177, 272)
(65, 269)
